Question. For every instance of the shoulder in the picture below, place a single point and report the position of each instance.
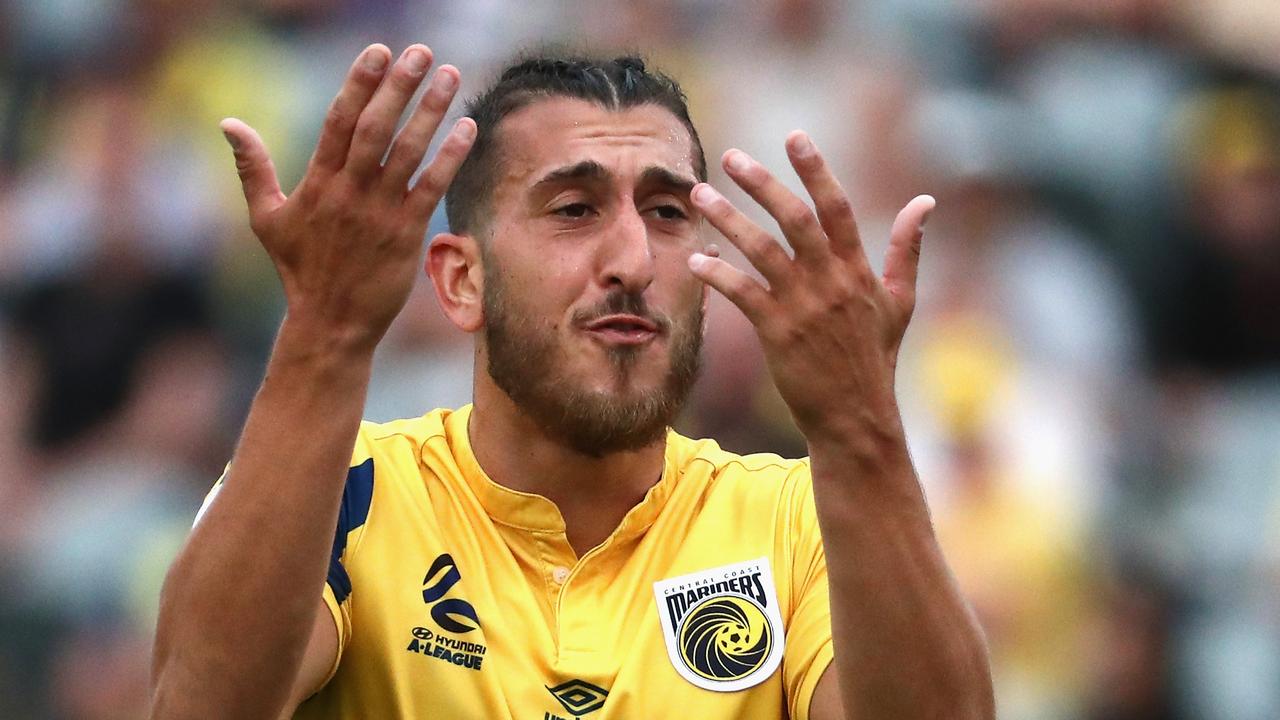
(390, 454)
(755, 471)
(384, 471)
(418, 429)
(384, 441)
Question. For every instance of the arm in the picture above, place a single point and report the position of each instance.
(238, 611)
(906, 644)
(317, 661)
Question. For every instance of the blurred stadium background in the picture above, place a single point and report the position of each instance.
(1091, 383)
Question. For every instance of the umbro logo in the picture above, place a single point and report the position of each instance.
(578, 697)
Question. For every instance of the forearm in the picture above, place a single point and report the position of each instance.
(906, 643)
(240, 600)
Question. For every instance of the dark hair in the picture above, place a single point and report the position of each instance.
(615, 84)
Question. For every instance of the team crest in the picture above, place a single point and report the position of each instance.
(722, 626)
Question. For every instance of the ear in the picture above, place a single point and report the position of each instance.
(453, 264)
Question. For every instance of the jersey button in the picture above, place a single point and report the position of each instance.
(560, 574)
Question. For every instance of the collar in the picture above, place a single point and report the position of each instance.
(535, 513)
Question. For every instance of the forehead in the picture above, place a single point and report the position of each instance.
(559, 131)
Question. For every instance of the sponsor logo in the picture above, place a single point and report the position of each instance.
(722, 626)
(454, 616)
(469, 655)
(578, 697)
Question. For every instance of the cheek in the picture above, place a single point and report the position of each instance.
(547, 293)
(542, 277)
(675, 273)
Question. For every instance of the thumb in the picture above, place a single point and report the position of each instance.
(253, 163)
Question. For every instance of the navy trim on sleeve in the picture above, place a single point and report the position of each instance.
(356, 497)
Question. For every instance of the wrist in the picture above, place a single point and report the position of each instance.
(864, 434)
(302, 340)
(852, 490)
(861, 461)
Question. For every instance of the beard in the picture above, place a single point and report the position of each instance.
(526, 362)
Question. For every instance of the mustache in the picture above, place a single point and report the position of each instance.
(622, 302)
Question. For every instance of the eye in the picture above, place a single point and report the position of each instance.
(670, 212)
(573, 210)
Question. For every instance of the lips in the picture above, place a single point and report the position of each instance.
(622, 329)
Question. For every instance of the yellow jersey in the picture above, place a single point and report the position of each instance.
(457, 598)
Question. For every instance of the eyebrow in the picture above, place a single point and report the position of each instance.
(585, 170)
(592, 170)
(655, 175)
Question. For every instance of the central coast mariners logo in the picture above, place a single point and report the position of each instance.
(722, 626)
(725, 638)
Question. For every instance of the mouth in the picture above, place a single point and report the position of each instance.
(622, 329)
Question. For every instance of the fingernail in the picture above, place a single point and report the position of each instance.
(417, 60)
(465, 130)
(373, 60)
(697, 261)
(738, 161)
(705, 194)
(448, 81)
(804, 146)
(232, 140)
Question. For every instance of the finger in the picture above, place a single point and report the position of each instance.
(411, 144)
(761, 250)
(794, 217)
(435, 179)
(902, 259)
(362, 80)
(378, 121)
(740, 288)
(830, 201)
(257, 172)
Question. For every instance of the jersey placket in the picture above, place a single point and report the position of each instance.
(579, 611)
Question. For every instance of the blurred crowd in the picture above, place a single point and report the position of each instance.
(1091, 383)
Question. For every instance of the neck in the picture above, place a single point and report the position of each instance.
(592, 493)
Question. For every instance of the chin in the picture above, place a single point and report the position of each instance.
(633, 380)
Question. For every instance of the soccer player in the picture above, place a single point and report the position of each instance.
(554, 550)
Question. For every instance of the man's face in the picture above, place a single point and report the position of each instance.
(593, 322)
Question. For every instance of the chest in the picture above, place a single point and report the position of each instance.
(456, 615)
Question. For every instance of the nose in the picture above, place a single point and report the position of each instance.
(626, 257)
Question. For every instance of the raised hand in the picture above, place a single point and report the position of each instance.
(906, 645)
(346, 242)
(830, 328)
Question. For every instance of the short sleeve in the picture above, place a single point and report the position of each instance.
(809, 646)
(353, 513)
(341, 614)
